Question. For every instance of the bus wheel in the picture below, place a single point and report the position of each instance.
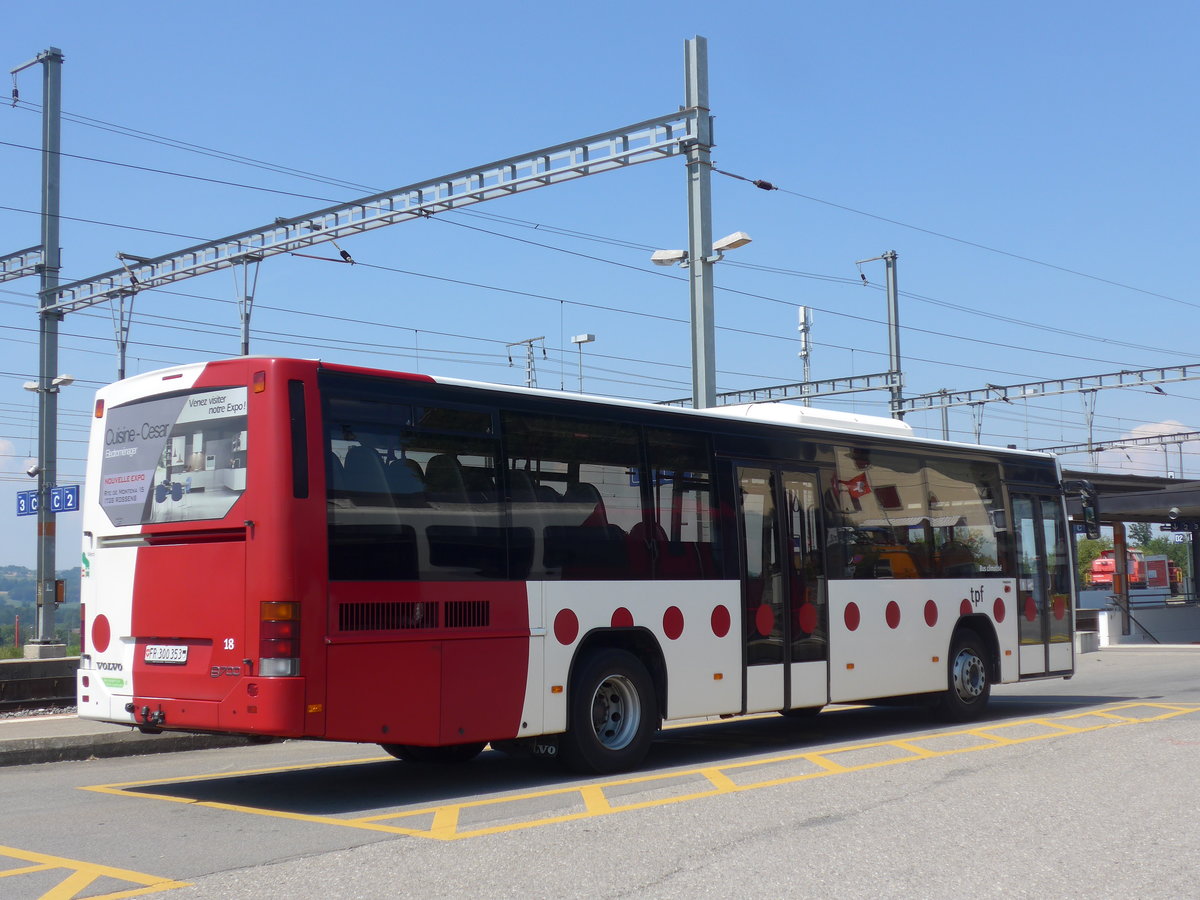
(455, 753)
(969, 685)
(613, 714)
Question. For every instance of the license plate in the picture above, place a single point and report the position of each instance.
(171, 654)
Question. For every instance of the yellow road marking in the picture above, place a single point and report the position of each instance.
(474, 818)
(79, 876)
(912, 748)
(719, 779)
(828, 765)
(593, 798)
(445, 822)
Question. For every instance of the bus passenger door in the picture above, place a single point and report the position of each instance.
(1044, 604)
(783, 589)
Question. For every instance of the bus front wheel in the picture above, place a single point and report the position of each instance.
(969, 685)
(613, 712)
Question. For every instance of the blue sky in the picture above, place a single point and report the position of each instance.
(1060, 132)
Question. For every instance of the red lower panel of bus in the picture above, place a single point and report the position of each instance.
(427, 692)
(272, 706)
(455, 673)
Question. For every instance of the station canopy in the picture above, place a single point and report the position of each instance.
(1140, 498)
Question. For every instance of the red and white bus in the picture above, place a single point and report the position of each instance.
(289, 548)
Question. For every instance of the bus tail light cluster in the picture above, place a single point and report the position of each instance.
(279, 638)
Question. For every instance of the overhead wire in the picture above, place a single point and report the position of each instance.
(753, 295)
(758, 183)
(631, 244)
(839, 313)
(770, 186)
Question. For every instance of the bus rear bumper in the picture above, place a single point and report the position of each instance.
(267, 706)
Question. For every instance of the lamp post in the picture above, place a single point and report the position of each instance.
(47, 385)
(44, 645)
(579, 340)
(889, 258)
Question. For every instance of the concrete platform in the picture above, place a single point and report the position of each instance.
(42, 739)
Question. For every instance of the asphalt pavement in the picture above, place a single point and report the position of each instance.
(55, 738)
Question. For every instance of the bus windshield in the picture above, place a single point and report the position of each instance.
(175, 458)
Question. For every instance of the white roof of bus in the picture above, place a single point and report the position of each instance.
(773, 412)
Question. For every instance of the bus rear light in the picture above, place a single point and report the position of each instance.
(278, 668)
(279, 638)
(278, 610)
(260, 382)
(280, 631)
(278, 649)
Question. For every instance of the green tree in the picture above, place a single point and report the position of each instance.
(1140, 533)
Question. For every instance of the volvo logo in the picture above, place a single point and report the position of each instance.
(218, 671)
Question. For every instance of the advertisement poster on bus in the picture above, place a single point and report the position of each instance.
(174, 458)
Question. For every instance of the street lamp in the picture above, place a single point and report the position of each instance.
(579, 340)
(680, 257)
(58, 381)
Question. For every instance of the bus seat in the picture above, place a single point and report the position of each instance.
(520, 487)
(365, 472)
(406, 481)
(586, 494)
(444, 479)
(481, 486)
(335, 472)
(647, 536)
(546, 494)
(642, 547)
(673, 560)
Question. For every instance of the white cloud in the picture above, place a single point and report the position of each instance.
(9, 461)
(1158, 459)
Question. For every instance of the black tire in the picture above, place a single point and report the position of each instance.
(803, 712)
(612, 714)
(455, 753)
(969, 683)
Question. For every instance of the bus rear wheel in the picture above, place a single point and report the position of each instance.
(969, 684)
(613, 714)
(455, 753)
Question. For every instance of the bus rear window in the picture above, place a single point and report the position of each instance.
(175, 458)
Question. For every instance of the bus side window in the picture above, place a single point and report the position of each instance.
(367, 540)
(584, 476)
(682, 534)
